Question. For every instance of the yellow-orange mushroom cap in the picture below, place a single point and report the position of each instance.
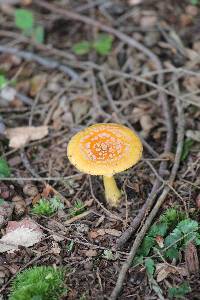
(104, 149)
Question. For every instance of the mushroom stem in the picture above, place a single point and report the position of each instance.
(112, 192)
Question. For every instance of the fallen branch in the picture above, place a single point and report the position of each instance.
(160, 201)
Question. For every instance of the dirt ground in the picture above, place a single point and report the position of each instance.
(148, 81)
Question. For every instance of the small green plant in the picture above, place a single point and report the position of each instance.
(25, 21)
(176, 230)
(82, 48)
(1, 201)
(70, 246)
(77, 209)
(3, 81)
(194, 2)
(39, 283)
(180, 291)
(188, 143)
(107, 254)
(166, 239)
(102, 45)
(83, 297)
(47, 207)
(4, 168)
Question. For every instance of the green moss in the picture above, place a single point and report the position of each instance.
(39, 283)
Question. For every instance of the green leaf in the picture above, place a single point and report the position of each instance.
(3, 81)
(158, 229)
(70, 246)
(187, 226)
(4, 168)
(172, 253)
(82, 48)
(194, 2)
(103, 44)
(150, 266)
(188, 143)
(146, 246)
(39, 34)
(24, 19)
(180, 291)
(138, 260)
(1, 201)
(173, 238)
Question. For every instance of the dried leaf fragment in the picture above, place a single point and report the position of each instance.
(163, 270)
(19, 136)
(25, 233)
(191, 258)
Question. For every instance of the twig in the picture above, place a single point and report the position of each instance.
(156, 189)
(27, 165)
(50, 64)
(78, 176)
(76, 218)
(161, 199)
(25, 99)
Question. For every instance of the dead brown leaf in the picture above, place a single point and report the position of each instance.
(163, 270)
(37, 82)
(191, 258)
(19, 136)
(25, 233)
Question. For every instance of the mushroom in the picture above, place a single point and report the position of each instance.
(105, 149)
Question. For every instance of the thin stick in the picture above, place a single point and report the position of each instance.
(77, 218)
(161, 199)
(50, 64)
(78, 176)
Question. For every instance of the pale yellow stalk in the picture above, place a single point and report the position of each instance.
(112, 192)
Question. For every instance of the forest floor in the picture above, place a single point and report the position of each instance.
(67, 65)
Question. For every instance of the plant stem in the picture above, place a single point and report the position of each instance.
(112, 192)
